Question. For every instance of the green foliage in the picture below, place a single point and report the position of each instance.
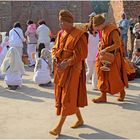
(100, 6)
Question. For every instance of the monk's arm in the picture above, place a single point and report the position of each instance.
(115, 37)
(54, 50)
(80, 53)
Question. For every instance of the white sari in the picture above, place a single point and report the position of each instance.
(13, 68)
(41, 72)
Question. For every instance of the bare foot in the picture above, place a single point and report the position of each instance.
(77, 124)
(100, 100)
(55, 131)
(122, 96)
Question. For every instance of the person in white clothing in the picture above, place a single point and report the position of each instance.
(31, 41)
(93, 41)
(43, 32)
(42, 70)
(16, 38)
(3, 50)
(13, 68)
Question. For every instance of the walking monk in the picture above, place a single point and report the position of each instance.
(69, 55)
(115, 80)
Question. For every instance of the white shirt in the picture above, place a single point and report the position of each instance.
(43, 33)
(14, 39)
(92, 47)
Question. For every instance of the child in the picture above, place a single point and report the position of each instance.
(13, 69)
(93, 41)
(42, 70)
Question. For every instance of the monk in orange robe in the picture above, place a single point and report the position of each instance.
(115, 80)
(69, 53)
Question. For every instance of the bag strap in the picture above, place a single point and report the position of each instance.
(7, 67)
(18, 34)
(46, 61)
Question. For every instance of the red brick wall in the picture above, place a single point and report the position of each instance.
(48, 10)
(132, 8)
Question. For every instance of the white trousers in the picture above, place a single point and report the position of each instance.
(91, 73)
(31, 48)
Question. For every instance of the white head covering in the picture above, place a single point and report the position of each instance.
(45, 53)
(13, 60)
(92, 14)
(5, 41)
(6, 38)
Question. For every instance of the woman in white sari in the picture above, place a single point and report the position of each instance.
(43, 70)
(3, 50)
(13, 69)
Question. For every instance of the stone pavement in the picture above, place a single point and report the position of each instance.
(29, 113)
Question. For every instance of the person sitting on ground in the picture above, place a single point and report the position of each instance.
(136, 49)
(3, 50)
(42, 70)
(13, 68)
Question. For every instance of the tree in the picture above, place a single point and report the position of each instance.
(100, 6)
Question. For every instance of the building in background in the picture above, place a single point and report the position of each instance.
(11, 11)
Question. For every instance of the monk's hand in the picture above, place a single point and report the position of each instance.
(103, 51)
(55, 59)
(63, 65)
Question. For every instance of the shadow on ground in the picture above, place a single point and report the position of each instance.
(99, 134)
(131, 102)
(26, 93)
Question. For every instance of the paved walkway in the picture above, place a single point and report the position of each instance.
(29, 113)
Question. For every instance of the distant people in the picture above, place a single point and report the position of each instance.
(31, 41)
(3, 50)
(114, 79)
(16, 38)
(136, 49)
(52, 42)
(124, 26)
(93, 41)
(13, 68)
(43, 32)
(42, 70)
(0, 38)
(91, 16)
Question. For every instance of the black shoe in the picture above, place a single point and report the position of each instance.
(31, 65)
(49, 84)
(13, 87)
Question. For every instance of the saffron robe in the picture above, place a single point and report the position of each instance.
(70, 83)
(116, 79)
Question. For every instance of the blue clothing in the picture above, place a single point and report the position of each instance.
(124, 24)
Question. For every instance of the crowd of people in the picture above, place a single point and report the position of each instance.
(97, 56)
(38, 43)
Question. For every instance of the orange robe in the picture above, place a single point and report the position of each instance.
(116, 79)
(70, 83)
